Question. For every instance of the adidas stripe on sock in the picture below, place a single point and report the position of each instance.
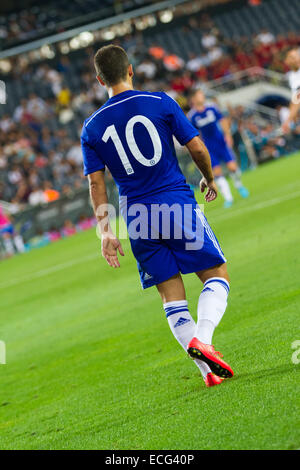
(183, 327)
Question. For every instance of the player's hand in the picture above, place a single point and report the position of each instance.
(212, 191)
(229, 140)
(110, 245)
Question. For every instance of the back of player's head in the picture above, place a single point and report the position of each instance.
(197, 96)
(111, 64)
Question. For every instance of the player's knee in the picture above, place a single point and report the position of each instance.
(217, 171)
(221, 271)
(224, 272)
(232, 166)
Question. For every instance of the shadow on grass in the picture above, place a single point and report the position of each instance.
(197, 384)
(262, 373)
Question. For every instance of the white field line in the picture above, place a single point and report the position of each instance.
(225, 215)
(46, 271)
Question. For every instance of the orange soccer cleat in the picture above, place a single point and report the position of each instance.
(207, 353)
(212, 379)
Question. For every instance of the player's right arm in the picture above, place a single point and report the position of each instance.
(201, 157)
(94, 170)
(226, 127)
(110, 244)
(294, 110)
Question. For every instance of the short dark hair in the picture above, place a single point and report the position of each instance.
(111, 64)
(195, 91)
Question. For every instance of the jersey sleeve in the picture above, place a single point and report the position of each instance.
(294, 81)
(218, 113)
(181, 127)
(91, 159)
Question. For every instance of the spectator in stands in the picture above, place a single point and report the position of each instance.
(173, 62)
(49, 192)
(265, 37)
(64, 97)
(157, 52)
(37, 196)
(74, 155)
(146, 68)
(68, 228)
(37, 107)
(209, 40)
(6, 123)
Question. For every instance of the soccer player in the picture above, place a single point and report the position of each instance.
(293, 61)
(10, 238)
(215, 132)
(132, 135)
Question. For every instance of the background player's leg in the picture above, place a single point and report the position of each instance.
(235, 174)
(18, 241)
(223, 186)
(8, 244)
(212, 301)
(181, 323)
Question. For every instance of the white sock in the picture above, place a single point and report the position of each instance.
(211, 307)
(224, 188)
(18, 240)
(8, 246)
(183, 328)
(236, 178)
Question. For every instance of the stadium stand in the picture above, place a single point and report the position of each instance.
(42, 19)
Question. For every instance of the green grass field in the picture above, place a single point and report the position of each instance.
(91, 363)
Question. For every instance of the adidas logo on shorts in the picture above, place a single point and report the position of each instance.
(147, 276)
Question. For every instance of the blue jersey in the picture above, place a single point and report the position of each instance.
(207, 122)
(132, 134)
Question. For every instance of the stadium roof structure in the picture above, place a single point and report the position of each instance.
(93, 20)
(106, 18)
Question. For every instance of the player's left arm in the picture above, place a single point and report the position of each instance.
(294, 110)
(187, 135)
(201, 157)
(226, 127)
(110, 244)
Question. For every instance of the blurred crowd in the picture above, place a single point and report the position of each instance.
(12, 241)
(39, 165)
(267, 141)
(39, 162)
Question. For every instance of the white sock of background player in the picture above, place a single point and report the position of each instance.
(224, 188)
(19, 244)
(236, 178)
(8, 246)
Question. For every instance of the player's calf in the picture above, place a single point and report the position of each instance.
(211, 308)
(180, 321)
